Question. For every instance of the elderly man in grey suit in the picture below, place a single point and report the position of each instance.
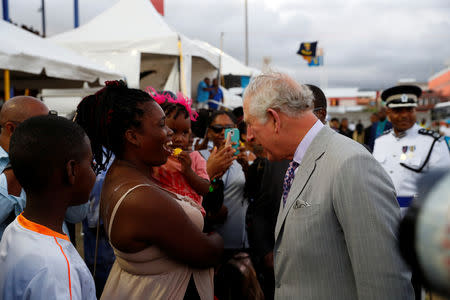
(336, 233)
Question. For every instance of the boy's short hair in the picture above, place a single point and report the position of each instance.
(40, 146)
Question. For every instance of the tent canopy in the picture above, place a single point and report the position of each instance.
(229, 65)
(35, 62)
(120, 36)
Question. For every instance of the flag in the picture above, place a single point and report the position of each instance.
(159, 6)
(318, 60)
(307, 50)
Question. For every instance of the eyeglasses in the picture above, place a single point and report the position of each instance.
(219, 128)
(318, 108)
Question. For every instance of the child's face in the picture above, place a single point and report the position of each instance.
(181, 128)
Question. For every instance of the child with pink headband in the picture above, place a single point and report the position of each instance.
(185, 171)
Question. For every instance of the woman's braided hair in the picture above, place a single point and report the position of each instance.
(106, 115)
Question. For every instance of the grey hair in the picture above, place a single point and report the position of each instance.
(277, 91)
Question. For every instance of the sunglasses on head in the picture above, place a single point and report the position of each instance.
(219, 128)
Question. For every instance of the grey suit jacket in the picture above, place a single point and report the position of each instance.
(336, 237)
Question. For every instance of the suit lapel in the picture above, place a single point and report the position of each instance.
(304, 172)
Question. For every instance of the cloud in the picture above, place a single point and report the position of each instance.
(367, 43)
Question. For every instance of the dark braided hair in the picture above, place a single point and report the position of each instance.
(106, 115)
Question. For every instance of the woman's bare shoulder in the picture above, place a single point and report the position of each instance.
(118, 180)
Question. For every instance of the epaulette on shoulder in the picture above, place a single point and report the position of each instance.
(386, 132)
(432, 133)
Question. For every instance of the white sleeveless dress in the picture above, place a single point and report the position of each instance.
(150, 273)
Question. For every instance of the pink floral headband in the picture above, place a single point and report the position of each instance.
(180, 99)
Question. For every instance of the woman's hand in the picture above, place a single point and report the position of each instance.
(219, 161)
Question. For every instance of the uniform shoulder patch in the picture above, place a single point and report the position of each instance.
(386, 132)
(432, 133)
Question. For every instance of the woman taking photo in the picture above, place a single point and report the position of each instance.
(223, 164)
(161, 252)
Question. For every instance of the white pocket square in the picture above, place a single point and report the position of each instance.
(301, 204)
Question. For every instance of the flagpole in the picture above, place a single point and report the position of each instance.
(246, 33)
(76, 13)
(5, 10)
(324, 70)
(43, 18)
(6, 83)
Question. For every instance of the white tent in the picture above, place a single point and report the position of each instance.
(229, 65)
(35, 62)
(133, 38)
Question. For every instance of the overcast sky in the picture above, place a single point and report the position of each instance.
(367, 43)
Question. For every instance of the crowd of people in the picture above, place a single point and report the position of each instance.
(174, 208)
(379, 124)
(209, 95)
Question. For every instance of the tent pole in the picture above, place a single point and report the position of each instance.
(182, 77)
(219, 76)
(7, 85)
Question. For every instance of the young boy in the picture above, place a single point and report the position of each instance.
(51, 158)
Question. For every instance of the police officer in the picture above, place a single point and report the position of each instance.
(408, 151)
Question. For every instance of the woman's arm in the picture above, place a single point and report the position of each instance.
(151, 216)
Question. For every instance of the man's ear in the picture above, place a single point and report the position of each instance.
(274, 117)
(388, 113)
(131, 137)
(71, 171)
(10, 127)
(322, 115)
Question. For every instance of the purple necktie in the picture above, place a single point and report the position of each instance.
(288, 179)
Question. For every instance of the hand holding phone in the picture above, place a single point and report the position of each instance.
(232, 136)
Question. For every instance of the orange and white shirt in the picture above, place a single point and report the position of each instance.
(39, 263)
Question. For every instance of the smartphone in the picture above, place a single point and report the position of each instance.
(235, 136)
